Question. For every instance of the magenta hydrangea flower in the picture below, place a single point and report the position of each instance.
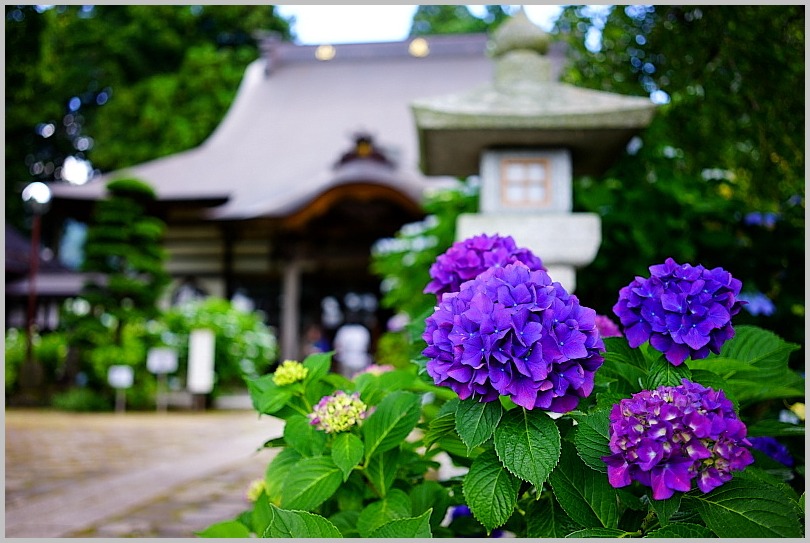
(513, 332)
(606, 327)
(665, 438)
(683, 310)
(465, 260)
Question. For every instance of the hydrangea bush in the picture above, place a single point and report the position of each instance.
(529, 415)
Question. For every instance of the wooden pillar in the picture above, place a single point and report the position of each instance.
(291, 300)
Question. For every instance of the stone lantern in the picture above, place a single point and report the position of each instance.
(526, 136)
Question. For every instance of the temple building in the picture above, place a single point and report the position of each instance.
(327, 149)
(316, 159)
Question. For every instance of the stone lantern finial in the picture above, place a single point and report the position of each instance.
(518, 33)
(519, 49)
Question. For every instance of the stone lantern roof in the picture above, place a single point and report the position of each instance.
(523, 107)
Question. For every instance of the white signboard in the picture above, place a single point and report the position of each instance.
(201, 361)
(161, 360)
(120, 376)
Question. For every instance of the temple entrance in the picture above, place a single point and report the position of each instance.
(327, 255)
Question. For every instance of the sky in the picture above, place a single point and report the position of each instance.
(330, 24)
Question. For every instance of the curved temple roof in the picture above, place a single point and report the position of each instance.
(294, 116)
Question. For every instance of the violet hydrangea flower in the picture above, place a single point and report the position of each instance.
(665, 438)
(683, 310)
(466, 259)
(513, 332)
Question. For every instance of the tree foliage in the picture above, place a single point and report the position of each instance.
(124, 246)
(718, 177)
(119, 85)
(455, 19)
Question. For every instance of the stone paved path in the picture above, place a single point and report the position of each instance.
(132, 474)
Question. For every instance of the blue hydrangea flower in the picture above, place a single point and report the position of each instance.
(466, 259)
(665, 438)
(771, 447)
(683, 310)
(757, 303)
(513, 332)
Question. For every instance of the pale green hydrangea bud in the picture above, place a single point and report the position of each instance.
(255, 490)
(289, 372)
(338, 412)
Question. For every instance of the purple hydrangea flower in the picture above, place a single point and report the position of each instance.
(665, 438)
(683, 310)
(465, 260)
(513, 332)
(773, 449)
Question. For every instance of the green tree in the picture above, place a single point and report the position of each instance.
(443, 19)
(124, 248)
(718, 177)
(166, 73)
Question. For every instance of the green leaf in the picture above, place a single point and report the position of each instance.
(266, 396)
(347, 451)
(599, 532)
(312, 482)
(663, 373)
(452, 445)
(476, 421)
(685, 530)
(381, 470)
(430, 495)
(391, 422)
(256, 387)
(439, 427)
(545, 518)
(747, 508)
(490, 490)
(397, 505)
(303, 437)
(754, 366)
(227, 529)
(763, 476)
(346, 522)
(664, 509)
(373, 388)
(775, 428)
(758, 347)
(300, 524)
(585, 494)
(396, 379)
(528, 444)
(318, 365)
(261, 515)
(277, 471)
(592, 438)
(414, 527)
(623, 363)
